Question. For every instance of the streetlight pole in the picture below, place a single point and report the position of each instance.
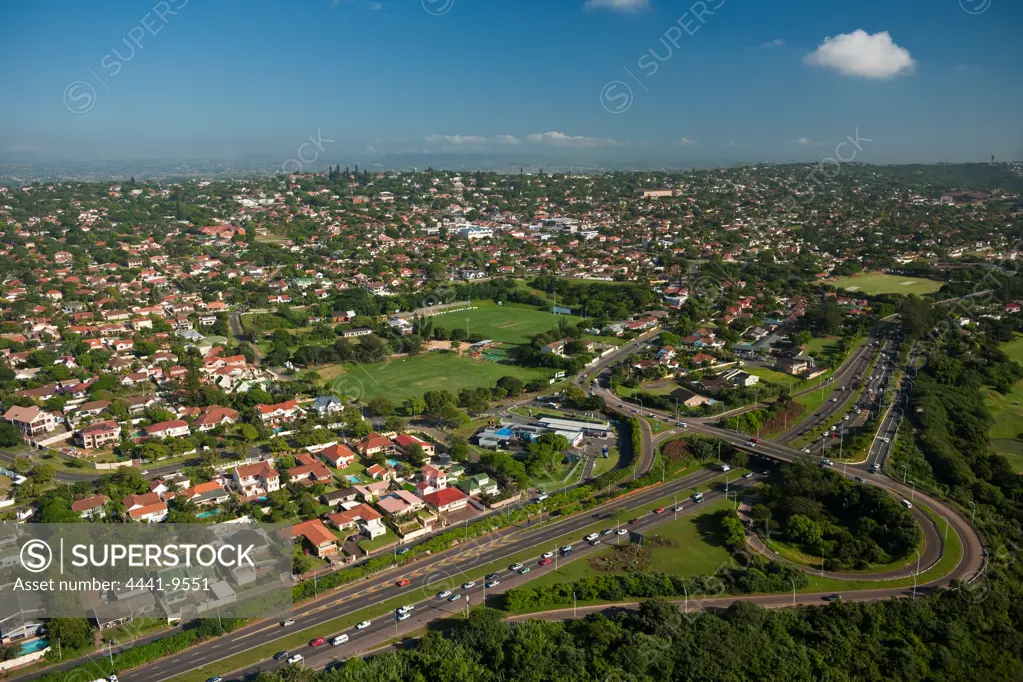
(905, 472)
(674, 506)
(913, 496)
(686, 591)
(973, 516)
(573, 604)
(793, 591)
(946, 528)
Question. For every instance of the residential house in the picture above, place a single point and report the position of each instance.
(447, 500)
(336, 497)
(32, 421)
(400, 502)
(478, 484)
(338, 455)
(174, 428)
(309, 469)
(405, 441)
(279, 412)
(318, 537)
(374, 443)
(99, 434)
(327, 405)
(213, 416)
(369, 521)
(256, 479)
(90, 508)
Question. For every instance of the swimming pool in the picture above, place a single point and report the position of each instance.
(393, 462)
(33, 646)
(352, 478)
(207, 514)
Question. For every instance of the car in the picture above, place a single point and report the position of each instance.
(455, 597)
(524, 570)
(859, 479)
(750, 444)
(659, 510)
(404, 582)
(594, 543)
(469, 585)
(826, 463)
(403, 550)
(444, 595)
(363, 625)
(749, 475)
(545, 562)
(296, 658)
(755, 440)
(319, 641)
(567, 549)
(287, 623)
(403, 616)
(636, 411)
(339, 640)
(493, 583)
(631, 521)
(405, 609)
(112, 678)
(681, 424)
(765, 472)
(541, 498)
(887, 440)
(679, 508)
(515, 567)
(280, 655)
(833, 597)
(547, 555)
(591, 537)
(834, 400)
(212, 679)
(607, 531)
(623, 531)
(806, 450)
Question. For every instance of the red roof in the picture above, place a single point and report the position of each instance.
(444, 497)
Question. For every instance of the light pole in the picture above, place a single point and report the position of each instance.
(946, 528)
(686, 592)
(913, 496)
(573, 604)
(793, 591)
(674, 506)
(905, 472)
(973, 516)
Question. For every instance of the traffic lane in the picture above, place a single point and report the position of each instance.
(426, 610)
(385, 588)
(972, 544)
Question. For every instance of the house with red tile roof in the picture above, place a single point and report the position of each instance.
(256, 479)
(99, 434)
(369, 521)
(213, 416)
(174, 428)
(374, 443)
(279, 412)
(447, 500)
(405, 441)
(90, 507)
(318, 537)
(339, 455)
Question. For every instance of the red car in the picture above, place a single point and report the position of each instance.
(633, 520)
(544, 562)
(404, 582)
(319, 641)
(755, 440)
(659, 510)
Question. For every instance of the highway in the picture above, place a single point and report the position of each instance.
(464, 563)
(427, 576)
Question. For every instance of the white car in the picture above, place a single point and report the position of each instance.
(295, 658)
(407, 608)
(404, 616)
(623, 531)
(469, 585)
(339, 640)
(444, 595)
(591, 537)
(455, 597)
(807, 450)
(493, 583)
(515, 567)
(546, 555)
(566, 549)
(363, 625)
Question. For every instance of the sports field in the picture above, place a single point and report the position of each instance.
(508, 323)
(405, 377)
(1007, 411)
(880, 283)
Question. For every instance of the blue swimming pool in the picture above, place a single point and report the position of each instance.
(33, 646)
(207, 514)
(352, 478)
(393, 462)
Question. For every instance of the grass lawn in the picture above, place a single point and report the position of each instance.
(880, 283)
(388, 538)
(508, 323)
(604, 465)
(407, 377)
(774, 377)
(1008, 417)
(698, 549)
(1014, 349)
(1011, 450)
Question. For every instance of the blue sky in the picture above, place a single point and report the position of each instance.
(923, 80)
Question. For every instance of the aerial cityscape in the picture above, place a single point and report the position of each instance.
(612, 340)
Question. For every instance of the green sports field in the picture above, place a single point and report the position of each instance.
(880, 283)
(405, 377)
(508, 323)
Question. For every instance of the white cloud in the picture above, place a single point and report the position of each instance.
(803, 140)
(505, 139)
(777, 42)
(562, 140)
(862, 54)
(685, 141)
(624, 6)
